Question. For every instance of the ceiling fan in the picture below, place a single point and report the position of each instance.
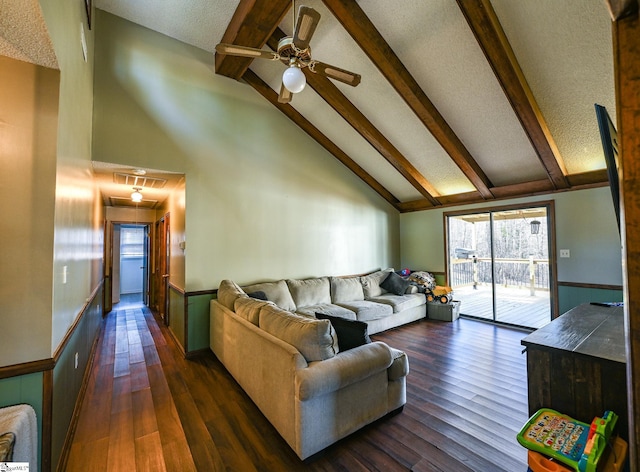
(295, 52)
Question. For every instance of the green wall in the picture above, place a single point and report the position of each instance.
(177, 315)
(585, 224)
(570, 297)
(77, 227)
(67, 377)
(25, 389)
(198, 306)
(263, 200)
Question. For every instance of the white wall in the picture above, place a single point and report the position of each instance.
(263, 200)
(585, 224)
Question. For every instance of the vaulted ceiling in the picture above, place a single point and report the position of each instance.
(461, 101)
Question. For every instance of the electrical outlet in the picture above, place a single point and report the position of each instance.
(75, 361)
(565, 253)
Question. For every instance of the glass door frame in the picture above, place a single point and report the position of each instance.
(551, 235)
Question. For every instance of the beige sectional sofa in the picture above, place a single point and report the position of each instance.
(356, 298)
(291, 364)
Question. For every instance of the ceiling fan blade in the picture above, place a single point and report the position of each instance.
(308, 20)
(285, 96)
(333, 72)
(244, 51)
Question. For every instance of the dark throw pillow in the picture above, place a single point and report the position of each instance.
(351, 333)
(395, 284)
(259, 295)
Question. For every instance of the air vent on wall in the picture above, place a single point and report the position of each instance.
(138, 180)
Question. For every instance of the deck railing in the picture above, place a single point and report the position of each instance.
(531, 273)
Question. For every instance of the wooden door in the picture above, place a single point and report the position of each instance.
(161, 276)
(107, 269)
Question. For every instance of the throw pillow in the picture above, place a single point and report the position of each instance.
(258, 295)
(395, 284)
(351, 333)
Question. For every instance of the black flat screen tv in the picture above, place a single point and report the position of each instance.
(609, 137)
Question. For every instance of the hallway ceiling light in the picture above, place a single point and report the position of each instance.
(136, 196)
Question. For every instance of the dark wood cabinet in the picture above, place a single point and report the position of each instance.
(576, 365)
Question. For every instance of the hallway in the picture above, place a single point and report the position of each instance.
(128, 417)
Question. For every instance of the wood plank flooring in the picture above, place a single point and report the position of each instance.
(149, 409)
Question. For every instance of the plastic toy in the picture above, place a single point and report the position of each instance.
(575, 444)
(440, 294)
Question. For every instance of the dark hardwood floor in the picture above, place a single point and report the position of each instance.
(149, 409)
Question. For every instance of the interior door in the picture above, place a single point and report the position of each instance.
(108, 269)
(161, 275)
(145, 267)
(166, 250)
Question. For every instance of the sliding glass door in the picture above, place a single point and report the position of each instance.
(498, 265)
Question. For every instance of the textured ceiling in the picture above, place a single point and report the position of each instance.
(562, 53)
(23, 33)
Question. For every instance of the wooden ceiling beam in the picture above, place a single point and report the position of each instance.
(263, 89)
(619, 9)
(347, 110)
(486, 27)
(592, 178)
(251, 25)
(343, 106)
(364, 32)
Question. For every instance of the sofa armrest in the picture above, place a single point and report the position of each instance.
(346, 368)
(400, 366)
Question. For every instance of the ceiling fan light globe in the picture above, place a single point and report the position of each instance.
(294, 79)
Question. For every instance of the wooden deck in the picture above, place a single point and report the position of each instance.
(514, 306)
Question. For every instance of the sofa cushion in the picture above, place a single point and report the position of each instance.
(228, 292)
(328, 308)
(309, 292)
(346, 289)
(371, 283)
(315, 339)
(351, 333)
(367, 310)
(401, 302)
(249, 308)
(395, 284)
(276, 292)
